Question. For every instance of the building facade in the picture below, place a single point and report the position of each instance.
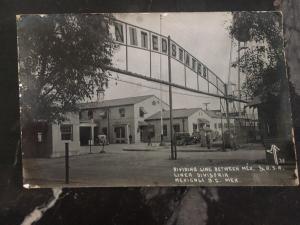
(185, 120)
(124, 120)
(42, 139)
(121, 120)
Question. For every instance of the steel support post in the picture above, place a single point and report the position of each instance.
(170, 99)
(227, 107)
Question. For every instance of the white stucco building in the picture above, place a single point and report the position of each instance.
(118, 118)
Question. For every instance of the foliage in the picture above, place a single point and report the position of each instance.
(62, 60)
(262, 59)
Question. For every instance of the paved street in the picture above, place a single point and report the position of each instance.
(117, 167)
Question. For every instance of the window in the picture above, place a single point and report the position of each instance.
(173, 50)
(164, 45)
(165, 130)
(132, 36)
(176, 127)
(66, 131)
(119, 32)
(40, 137)
(215, 126)
(144, 39)
(204, 72)
(155, 42)
(220, 125)
(122, 112)
(104, 130)
(80, 115)
(194, 64)
(180, 54)
(187, 60)
(90, 114)
(199, 69)
(142, 111)
(104, 114)
(151, 131)
(194, 126)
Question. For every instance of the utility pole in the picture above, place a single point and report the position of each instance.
(67, 163)
(160, 87)
(239, 79)
(170, 99)
(222, 129)
(108, 124)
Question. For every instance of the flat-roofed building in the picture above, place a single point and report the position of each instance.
(119, 119)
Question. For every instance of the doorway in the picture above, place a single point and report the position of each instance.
(85, 135)
(120, 134)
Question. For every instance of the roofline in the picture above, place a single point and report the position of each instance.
(175, 117)
(181, 117)
(102, 107)
(99, 107)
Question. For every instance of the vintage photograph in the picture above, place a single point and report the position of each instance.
(154, 99)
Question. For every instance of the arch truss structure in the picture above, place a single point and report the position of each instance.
(153, 44)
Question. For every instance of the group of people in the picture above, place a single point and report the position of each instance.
(230, 139)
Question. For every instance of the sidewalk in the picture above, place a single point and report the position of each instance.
(157, 147)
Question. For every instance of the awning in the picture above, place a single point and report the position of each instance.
(142, 123)
(203, 121)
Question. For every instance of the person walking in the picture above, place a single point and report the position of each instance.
(130, 139)
(149, 139)
(102, 142)
(233, 144)
(208, 139)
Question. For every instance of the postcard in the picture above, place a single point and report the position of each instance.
(155, 99)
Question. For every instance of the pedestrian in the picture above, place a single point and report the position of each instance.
(130, 139)
(202, 138)
(149, 139)
(102, 142)
(233, 144)
(208, 139)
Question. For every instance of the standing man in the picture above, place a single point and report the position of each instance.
(149, 139)
(130, 139)
(233, 141)
(208, 139)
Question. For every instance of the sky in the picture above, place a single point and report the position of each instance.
(204, 35)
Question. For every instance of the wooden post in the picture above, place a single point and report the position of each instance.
(67, 163)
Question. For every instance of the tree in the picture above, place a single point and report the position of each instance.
(263, 63)
(62, 60)
(263, 59)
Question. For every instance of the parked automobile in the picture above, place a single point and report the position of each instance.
(196, 136)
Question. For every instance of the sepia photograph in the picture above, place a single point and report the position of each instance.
(154, 99)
